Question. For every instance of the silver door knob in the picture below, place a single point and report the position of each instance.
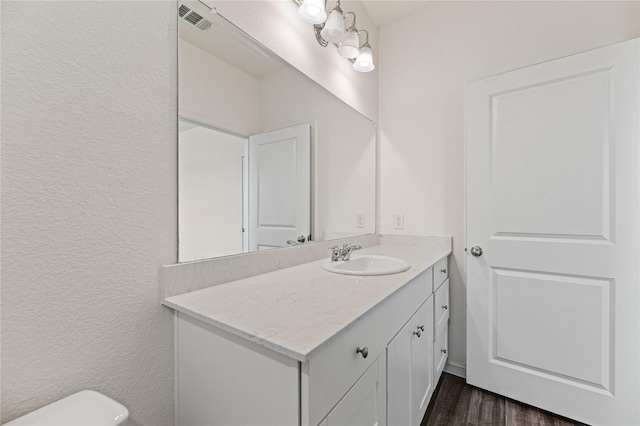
(301, 239)
(476, 251)
(364, 351)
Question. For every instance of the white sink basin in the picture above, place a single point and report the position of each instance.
(367, 264)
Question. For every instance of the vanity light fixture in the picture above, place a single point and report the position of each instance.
(331, 28)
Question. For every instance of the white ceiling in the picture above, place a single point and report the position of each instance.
(385, 11)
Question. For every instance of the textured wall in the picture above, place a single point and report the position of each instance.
(422, 103)
(88, 203)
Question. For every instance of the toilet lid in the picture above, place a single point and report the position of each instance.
(85, 408)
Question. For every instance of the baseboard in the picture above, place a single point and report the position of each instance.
(456, 369)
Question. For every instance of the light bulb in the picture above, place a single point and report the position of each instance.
(364, 61)
(312, 11)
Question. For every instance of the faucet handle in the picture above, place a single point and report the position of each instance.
(335, 253)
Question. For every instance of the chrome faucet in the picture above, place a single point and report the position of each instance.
(343, 253)
(347, 249)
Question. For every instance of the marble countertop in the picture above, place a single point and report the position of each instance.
(297, 310)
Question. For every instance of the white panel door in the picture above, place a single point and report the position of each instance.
(279, 187)
(553, 202)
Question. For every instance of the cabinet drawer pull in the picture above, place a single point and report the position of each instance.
(364, 351)
(444, 351)
(421, 327)
(444, 271)
(418, 333)
(445, 307)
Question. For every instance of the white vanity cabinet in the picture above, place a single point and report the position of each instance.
(381, 369)
(329, 374)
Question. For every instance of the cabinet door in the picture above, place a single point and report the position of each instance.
(399, 401)
(365, 403)
(410, 369)
(422, 382)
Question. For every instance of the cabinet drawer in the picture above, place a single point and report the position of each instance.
(440, 273)
(441, 309)
(440, 353)
(333, 370)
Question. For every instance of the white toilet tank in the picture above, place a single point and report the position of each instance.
(85, 408)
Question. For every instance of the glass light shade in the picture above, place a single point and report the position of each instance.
(364, 61)
(312, 11)
(333, 30)
(349, 46)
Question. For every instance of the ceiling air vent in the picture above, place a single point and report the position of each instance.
(194, 18)
(183, 10)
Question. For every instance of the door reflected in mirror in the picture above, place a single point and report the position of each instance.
(258, 189)
(267, 157)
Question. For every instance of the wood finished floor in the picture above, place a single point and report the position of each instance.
(456, 403)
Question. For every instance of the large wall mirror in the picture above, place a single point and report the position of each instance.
(267, 157)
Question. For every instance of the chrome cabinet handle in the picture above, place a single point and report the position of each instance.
(444, 351)
(476, 251)
(444, 271)
(419, 330)
(364, 351)
(445, 307)
(301, 239)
